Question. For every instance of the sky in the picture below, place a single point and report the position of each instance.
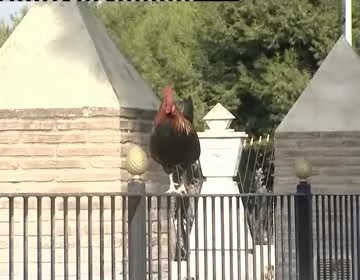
(7, 8)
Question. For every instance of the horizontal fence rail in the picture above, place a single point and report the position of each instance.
(86, 236)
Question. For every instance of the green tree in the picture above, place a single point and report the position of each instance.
(162, 40)
(272, 50)
(7, 28)
(5, 31)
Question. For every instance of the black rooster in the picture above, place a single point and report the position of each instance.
(174, 143)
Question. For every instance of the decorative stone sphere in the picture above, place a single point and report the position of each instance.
(303, 169)
(136, 161)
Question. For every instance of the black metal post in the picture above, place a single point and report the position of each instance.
(304, 231)
(137, 230)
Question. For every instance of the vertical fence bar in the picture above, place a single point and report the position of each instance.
(113, 249)
(206, 263)
(159, 236)
(289, 234)
(246, 253)
(90, 266)
(346, 230)
(222, 229)
(168, 207)
(238, 237)
(66, 239)
(149, 236)
(213, 235)
(323, 218)
(78, 241)
(341, 213)
(304, 237)
(329, 239)
(282, 235)
(187, 237)
(254, 236)
(137, 230)
(231, 237)
(178, 236)
(124, 234)
(25, 237)
(39, 233)
(317, 236)
(11, 238)
(352, 240)
(101, 218)
(276, 234)
(335, 212)
(269, 230)
(52, 233)
(257, 149)
(261, 232)
(197, 273)
(358, 234)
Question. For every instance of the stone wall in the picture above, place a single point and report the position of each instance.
(334, 157)
(70, 151)
(60, 150)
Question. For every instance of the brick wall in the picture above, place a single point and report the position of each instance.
(69, 150)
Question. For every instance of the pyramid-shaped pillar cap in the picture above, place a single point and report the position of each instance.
(218, 118)
(331, 100)
(60, 56)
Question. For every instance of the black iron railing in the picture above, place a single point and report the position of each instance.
(136, 235)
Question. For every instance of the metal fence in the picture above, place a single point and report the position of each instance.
(256, 165)
(136, 235)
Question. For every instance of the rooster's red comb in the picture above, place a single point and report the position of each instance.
(168, 90)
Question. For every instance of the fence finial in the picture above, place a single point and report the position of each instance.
(136, 161)
(303, 169)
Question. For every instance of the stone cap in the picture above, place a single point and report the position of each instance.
(219, 120)
(60, 56)
(331, 100)
(218, 117)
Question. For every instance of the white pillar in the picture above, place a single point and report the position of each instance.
(220, 156)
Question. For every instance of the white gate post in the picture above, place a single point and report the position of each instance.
(220, 155)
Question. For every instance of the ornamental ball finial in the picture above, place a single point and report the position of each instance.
(303, 169)
(136, 161)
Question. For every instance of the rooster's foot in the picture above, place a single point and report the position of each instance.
(172, 189)
(181, 189)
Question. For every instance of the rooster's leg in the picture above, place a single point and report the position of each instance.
(182, 188)
(172, 188)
